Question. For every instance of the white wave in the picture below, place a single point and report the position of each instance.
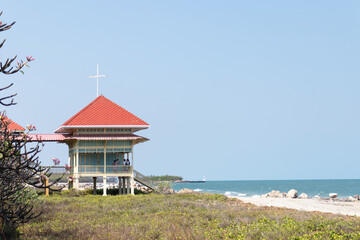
(197, 190)
(235, 194)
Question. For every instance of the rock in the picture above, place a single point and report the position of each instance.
(185, 190)
(333, 195)
(264, 195)
(292, 194)
(351, 199)
(303, 195)
(317, 197)
(282, 195)
(169, 191)
(274, 194)
(357, 197)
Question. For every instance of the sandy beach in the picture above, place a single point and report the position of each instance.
(320, 205)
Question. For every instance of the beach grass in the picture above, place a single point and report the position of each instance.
(179, 216)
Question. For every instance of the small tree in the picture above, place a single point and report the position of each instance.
(19, 164)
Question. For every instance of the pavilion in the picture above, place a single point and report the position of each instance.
(100, 138)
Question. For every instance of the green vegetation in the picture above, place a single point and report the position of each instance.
(179, 216)
(168, 178)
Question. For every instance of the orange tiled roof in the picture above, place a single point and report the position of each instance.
(13, 126)
(103, 112)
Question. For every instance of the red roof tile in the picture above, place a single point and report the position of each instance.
(46, 137)
(103, 112)
(13, 126)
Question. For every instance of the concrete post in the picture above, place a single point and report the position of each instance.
(76, 182)
(104, 185)
(132, 186)
(94, 189)
(128, 185)
(123, 188)
(119, 178)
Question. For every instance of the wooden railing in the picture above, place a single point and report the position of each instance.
(109, 169)
(143, 179)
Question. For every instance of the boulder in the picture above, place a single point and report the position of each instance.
(274, 194)
(303, 195)
(292, 194)
(185, 190)
(282, 195)
(351, 199)
(264, 195)
(169, 191)
(333, 195)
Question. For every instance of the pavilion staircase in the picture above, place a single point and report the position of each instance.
(140, 178)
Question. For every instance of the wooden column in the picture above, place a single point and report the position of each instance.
(76, 172)
(105, 157)
(47, 185)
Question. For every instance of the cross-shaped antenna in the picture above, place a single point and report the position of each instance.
(97, 79)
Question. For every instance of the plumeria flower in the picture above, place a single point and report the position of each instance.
(30, 59)
(30, 127)
(67, 167)
(56, 161)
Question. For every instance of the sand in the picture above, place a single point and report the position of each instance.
(327, 206)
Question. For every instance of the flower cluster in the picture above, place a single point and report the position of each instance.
(56, 161)
(31, 127)
(29, 59)
(21, 64)
(67, 167)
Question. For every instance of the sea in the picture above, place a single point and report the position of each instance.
(248, 188)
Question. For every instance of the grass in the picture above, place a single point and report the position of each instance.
(179, 216)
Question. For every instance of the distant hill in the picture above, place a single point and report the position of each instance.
(168, 178)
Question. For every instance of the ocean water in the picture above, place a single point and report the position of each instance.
(343, 187)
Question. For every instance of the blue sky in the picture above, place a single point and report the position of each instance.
(232, 89)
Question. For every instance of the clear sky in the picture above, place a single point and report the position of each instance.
(232, 89)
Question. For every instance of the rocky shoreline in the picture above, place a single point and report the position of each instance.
(294, 194)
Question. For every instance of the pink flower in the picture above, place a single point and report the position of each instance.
(67, 167)
(30, 59)
(31, 127)
(56, 161)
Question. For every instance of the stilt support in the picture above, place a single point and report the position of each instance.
(132, 185)
(119, 178)
(94, 189)
(104, 186)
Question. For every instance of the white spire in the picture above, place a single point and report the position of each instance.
(97, 79)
